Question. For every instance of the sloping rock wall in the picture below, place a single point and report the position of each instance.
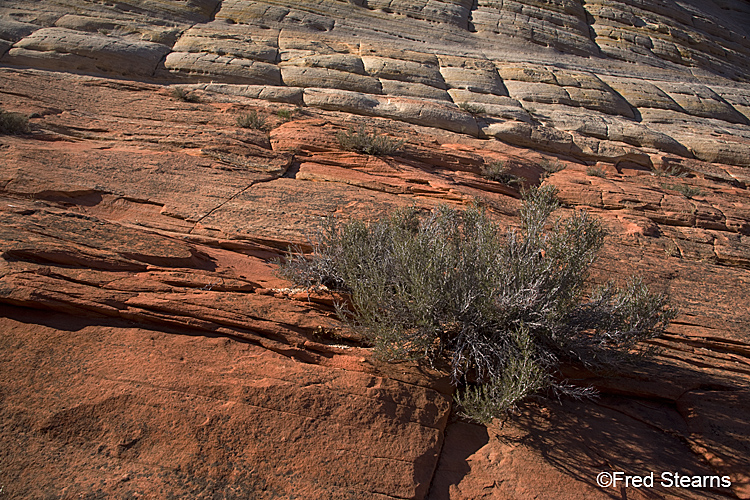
(149, 348)
(690, 59)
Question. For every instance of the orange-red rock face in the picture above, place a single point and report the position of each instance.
(149, 350)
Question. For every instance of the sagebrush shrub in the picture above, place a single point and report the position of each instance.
(13, 123)
(504, 309)
(252, 120)
(360, 141)
(182, 95)
(550, 167)
(596, 172)
(671, 171)
(470, 107)
(686, 190)
(498, 171)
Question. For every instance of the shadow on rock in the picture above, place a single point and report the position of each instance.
(462, 440)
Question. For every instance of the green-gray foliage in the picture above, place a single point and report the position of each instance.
(13, 123)
(503, 309)
(181, 95)
(470, 107)
(596, 172)
(550, 168)
(360, 141)
(684, 189)
(252, 120)
(500, 172)
(671, 171)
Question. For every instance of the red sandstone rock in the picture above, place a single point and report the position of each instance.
(148, 348)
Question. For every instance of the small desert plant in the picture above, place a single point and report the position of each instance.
(182, 95)
(284, 115)
(671, 171)
(500, 172)
(360, 141)
(13, 123)
(252, 120)
(470, 107)
(684, 189)
(522, 376)
(550, 167)
(502, 310)
(596, 172)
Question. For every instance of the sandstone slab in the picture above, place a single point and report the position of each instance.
(63, 49)
(204, 66)
(417, 111)
(230, 40)
(296, 76)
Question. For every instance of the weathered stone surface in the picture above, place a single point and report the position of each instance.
(13, 31)
(264, 92)
(660, 33)
(407, 71)
(699, 100)
(610, 128)
(409, 64)
(64, 49)
(561, 25)
(729, 151)
(420, 112)
(525, 134)
(203, 66)
(486, 82)
(506, 112)
(532, 73)
(294, 43)
(455, 12)
(339, 62)
(165, 35)
(154, 399)
(737, 97)
(419, 90)
(251, 12)
(230, 40)
(544, 93)
(146, 11)
(150, 350)
(641, 94)
(600, 100)
(297, 76)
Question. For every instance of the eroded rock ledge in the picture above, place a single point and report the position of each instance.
(595, 81)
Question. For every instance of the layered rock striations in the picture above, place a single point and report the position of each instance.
(689, 60)
(149, 347)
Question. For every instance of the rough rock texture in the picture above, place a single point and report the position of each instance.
(150, 350)
(691, 60)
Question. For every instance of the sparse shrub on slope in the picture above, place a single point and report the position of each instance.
(13, 123)
(686, 190)
(499, 171)
(503, 309)
(182, 95)
(359, 141)
(596, 172)
(285, 115)
(252, 120)
(474, 109)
